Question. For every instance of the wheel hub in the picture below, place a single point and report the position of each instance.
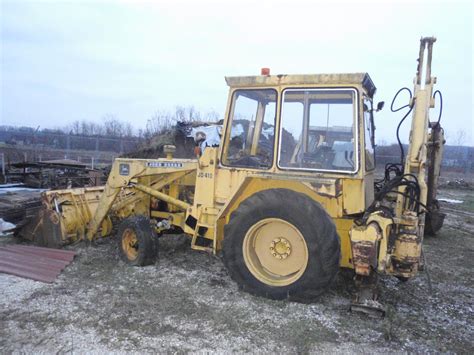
(275, 252)
(280, 248)
(130, 244)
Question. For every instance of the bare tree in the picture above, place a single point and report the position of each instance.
(212, 116)
(460, 139)
(128, 129)
(459, 142)
(75, 127)
(160, 122)
(186, 114)
(112, 126)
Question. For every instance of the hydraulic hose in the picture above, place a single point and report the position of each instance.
(402, 151)
(437, 92)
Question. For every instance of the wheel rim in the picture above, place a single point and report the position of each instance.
(275, 252)
(130, 244)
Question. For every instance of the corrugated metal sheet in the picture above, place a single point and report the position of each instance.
(36, 263)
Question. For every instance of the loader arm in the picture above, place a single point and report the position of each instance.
(127, 173)
(71, 215)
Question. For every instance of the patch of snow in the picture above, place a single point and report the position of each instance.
(5, 227)
(449, 200)
(17, 189)
(2, 186)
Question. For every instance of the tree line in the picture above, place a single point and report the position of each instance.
(111, 126)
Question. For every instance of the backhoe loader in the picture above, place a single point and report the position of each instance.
(287, 198)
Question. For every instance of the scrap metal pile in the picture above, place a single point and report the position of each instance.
(54, 174)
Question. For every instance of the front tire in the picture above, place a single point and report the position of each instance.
(281, 244)
(137, 241)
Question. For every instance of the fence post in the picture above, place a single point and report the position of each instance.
(68, 145)
(3, 168)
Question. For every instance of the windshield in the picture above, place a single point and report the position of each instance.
(317, 130)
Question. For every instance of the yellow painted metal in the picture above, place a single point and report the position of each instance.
(169, 149)
(275, 252)
(406, 256)
(77, 208)
(369, 244)
(125, 171)
(245, 186)
(422, 101)
(74, 208)
(364, 240)
(164, 197)
(257, 129)
(407, 248)
(354, 196)
(175, 218)
(343, 226)
(204, 193)
(320, 80)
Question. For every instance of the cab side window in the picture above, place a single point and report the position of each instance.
(317, 130)
(369, 135)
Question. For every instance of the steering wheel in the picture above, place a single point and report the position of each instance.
(320, 158)
(248, 161)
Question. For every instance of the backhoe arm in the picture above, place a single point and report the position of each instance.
(422, 101)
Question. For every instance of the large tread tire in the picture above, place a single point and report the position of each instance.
(146, 245)
(313, 222)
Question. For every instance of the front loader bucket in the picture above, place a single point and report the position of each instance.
(45, 230)
(63, 217)
(433, 222)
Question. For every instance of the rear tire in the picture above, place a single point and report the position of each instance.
(281, 244)
(137, 241)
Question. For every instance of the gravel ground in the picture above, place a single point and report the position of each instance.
(187, 302)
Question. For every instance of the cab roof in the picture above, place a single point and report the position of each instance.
(306, 79)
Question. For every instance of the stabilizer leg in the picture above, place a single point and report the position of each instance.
(366, 297)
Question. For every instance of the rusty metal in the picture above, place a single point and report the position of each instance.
(44, 229)
(365, 244)
(36, 263)
(364, 257)
(434, 217)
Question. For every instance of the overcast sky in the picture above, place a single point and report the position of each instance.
(63, 61)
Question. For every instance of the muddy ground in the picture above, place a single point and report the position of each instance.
(187, 302)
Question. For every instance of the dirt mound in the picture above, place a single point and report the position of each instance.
(178, 136)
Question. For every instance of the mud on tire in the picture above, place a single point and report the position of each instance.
(137, 241)
(310, 220)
